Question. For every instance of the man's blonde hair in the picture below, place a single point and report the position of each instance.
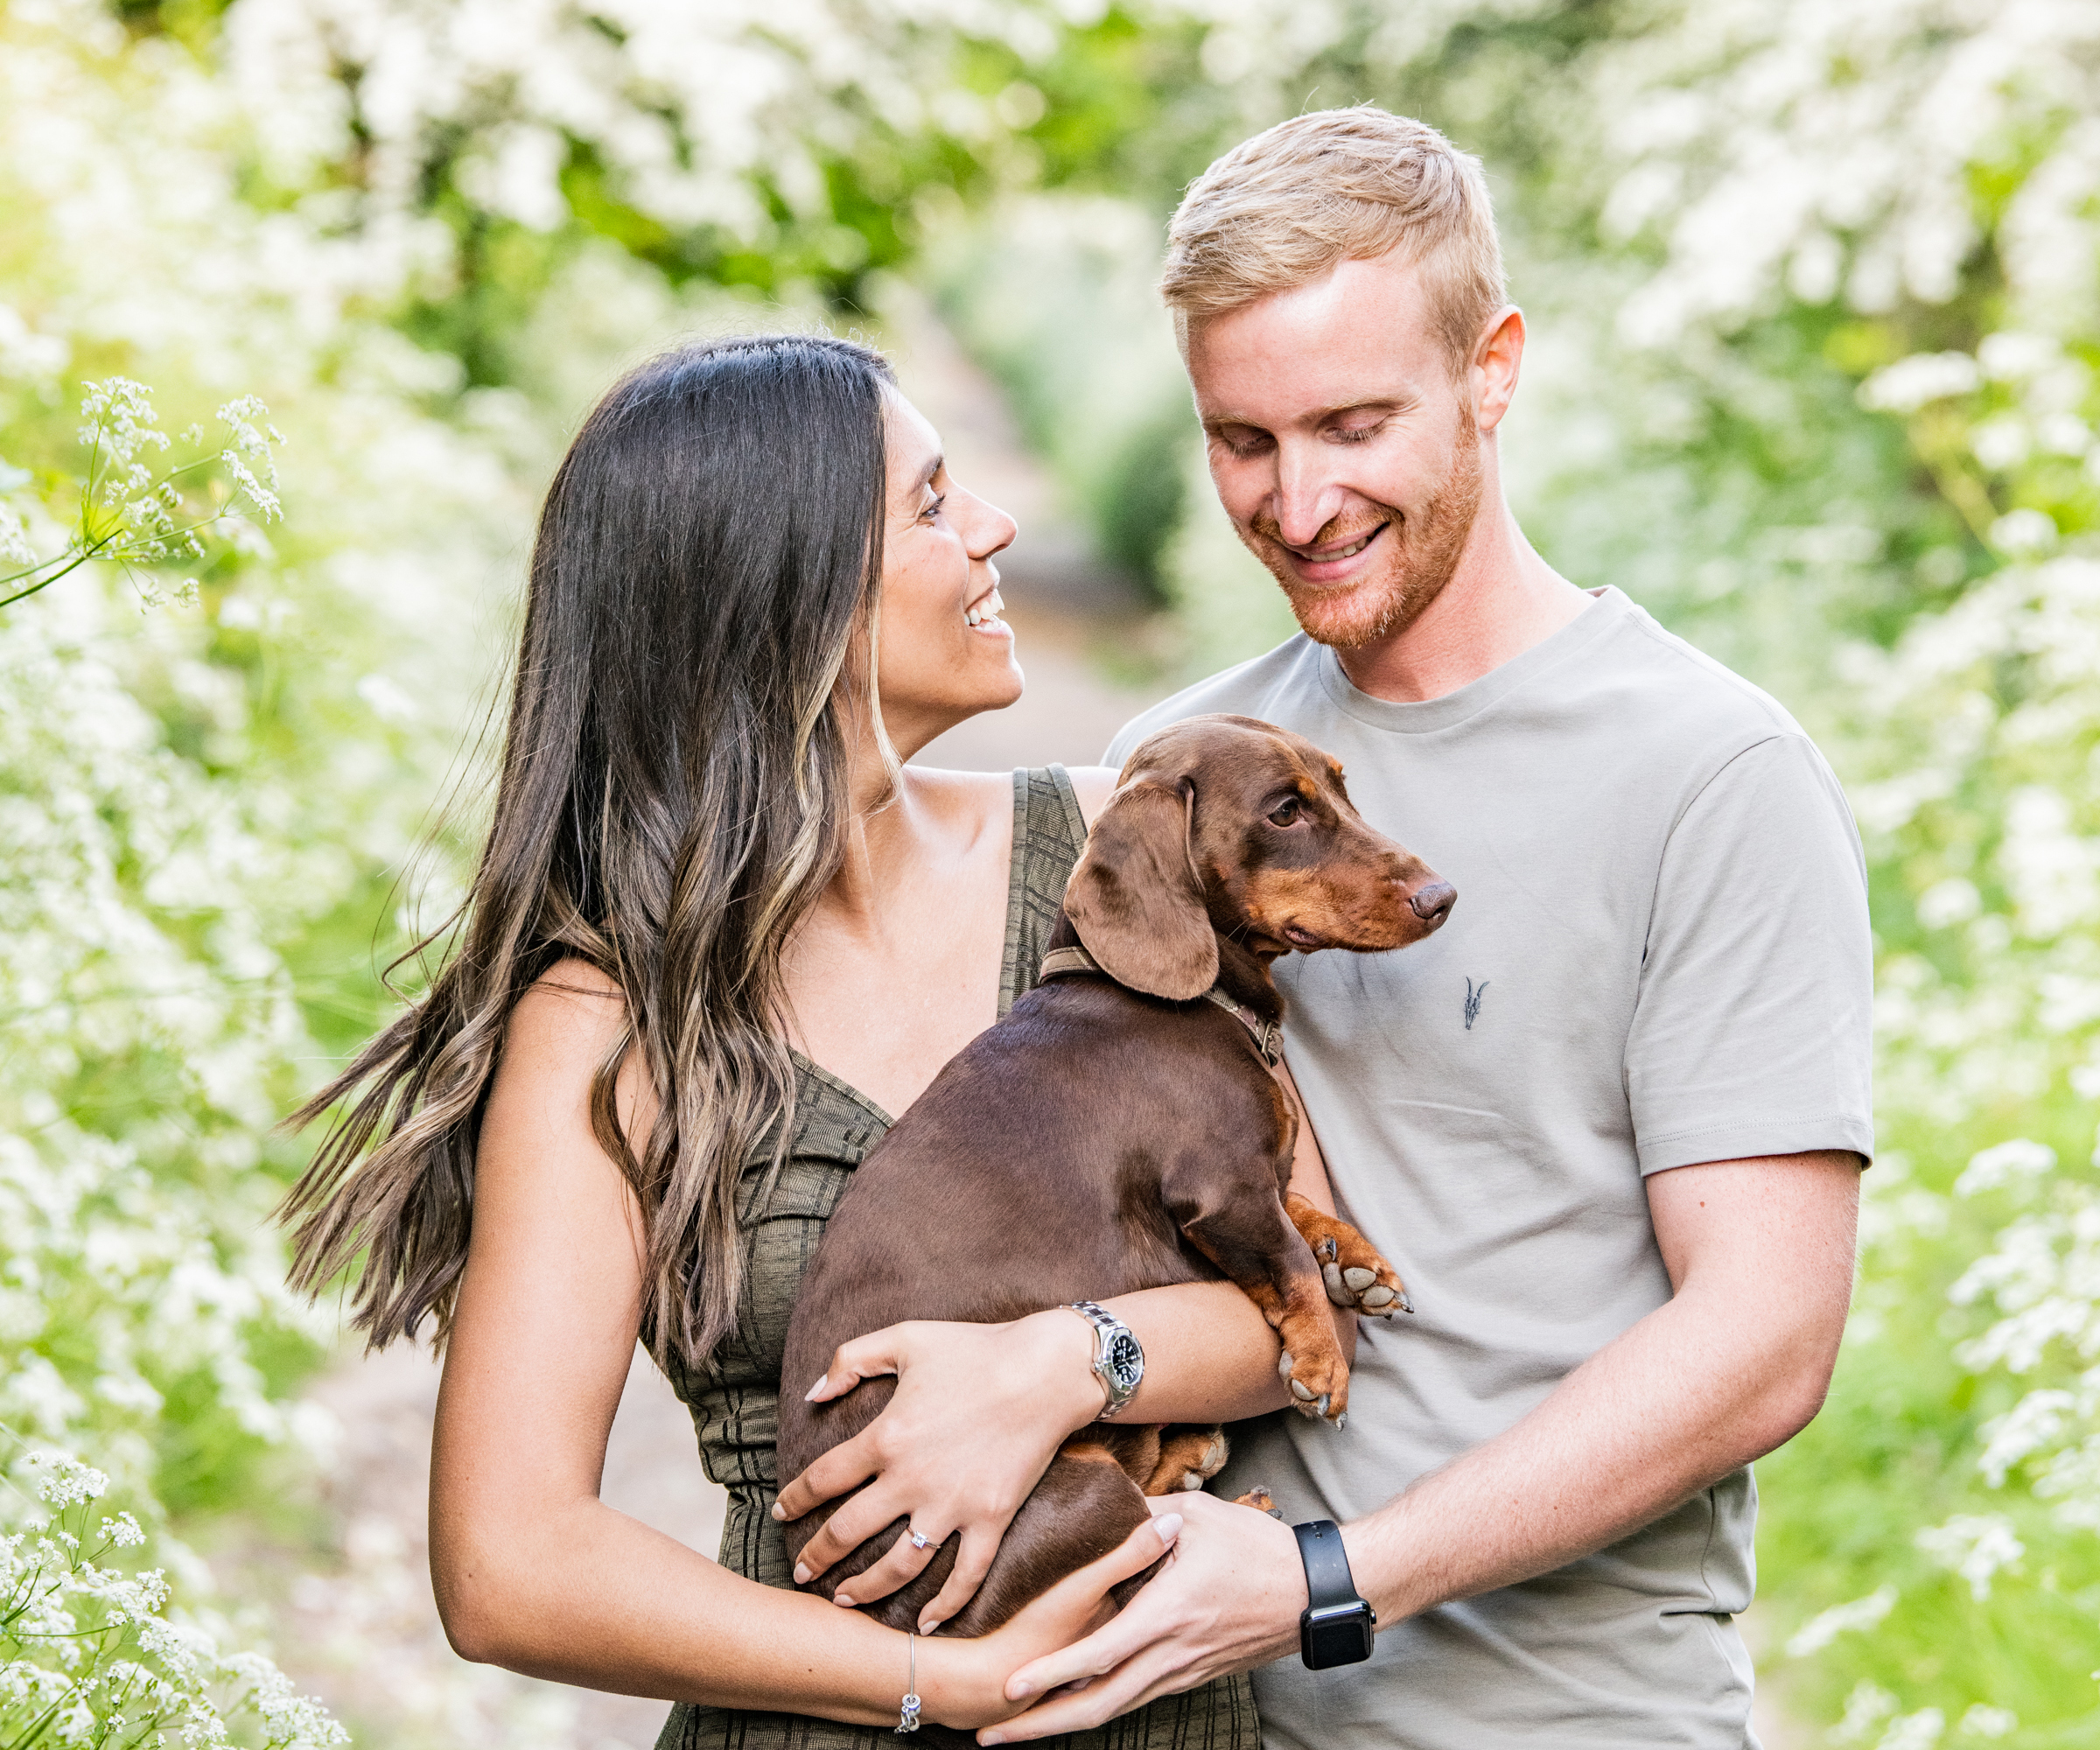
(1288, 207)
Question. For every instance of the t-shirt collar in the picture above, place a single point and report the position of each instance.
(1609, 607)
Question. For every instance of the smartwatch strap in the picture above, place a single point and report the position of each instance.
(1328, 1581)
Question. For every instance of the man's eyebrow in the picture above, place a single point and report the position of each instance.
(1396, 401)
(1378, 404)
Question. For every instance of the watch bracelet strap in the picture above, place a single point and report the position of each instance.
(1104, 1321)
(1328, 1581)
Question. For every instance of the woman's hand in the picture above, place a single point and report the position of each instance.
(1007, 1395)
(963, 1683)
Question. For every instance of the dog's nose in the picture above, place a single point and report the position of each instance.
(1432, 903)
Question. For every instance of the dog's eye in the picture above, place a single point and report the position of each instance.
(1285, 811)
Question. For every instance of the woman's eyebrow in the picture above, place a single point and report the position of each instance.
(924, 477)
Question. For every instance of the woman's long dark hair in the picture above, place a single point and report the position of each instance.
(673, 799)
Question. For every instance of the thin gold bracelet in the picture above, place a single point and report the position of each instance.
(908, 1713)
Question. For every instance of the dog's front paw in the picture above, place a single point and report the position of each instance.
(1356, 1276)
(1318, 1379)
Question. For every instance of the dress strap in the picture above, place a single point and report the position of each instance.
(1048, 835)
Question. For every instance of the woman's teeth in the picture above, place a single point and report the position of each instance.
(984, 612)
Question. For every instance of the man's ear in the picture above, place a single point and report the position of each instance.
(1134, 898)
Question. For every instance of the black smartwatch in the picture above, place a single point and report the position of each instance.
(1335, 1627)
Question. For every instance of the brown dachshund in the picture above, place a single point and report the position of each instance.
(1116, 1132)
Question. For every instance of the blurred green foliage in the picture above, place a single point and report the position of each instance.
(1811, 294)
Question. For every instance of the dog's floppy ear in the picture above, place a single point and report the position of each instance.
(1134, 898)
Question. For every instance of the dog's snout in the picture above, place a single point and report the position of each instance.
(1432, 902)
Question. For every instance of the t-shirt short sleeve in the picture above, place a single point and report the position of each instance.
(1751, 1033)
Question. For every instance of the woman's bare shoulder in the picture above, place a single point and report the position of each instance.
(1093, 785)
(572, 1013)
(554, 1043)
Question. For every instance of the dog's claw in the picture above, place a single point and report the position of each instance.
(1322, 1407)
(1406, 1306)
(1342, 1420)
(1327, 1253)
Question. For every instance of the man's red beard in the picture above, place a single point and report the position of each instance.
(1413, 557)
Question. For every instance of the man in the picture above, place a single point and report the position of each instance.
(1608, 1123)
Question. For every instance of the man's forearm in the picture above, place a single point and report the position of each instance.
(1677, 1403)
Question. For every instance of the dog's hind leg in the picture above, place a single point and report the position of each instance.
(1189, 1457)
(1085, 1505)
(1134, 1448)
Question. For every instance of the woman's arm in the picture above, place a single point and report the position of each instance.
(1209, 1356)
(531, 1571)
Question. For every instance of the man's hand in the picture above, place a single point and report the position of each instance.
(1228, 1599)
(963, 1682)
(1007, 1395)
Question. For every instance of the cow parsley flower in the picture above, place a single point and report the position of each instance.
(139, 517)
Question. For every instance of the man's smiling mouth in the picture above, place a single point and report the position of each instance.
(1317, 557)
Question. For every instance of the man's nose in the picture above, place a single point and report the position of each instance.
(1306, 499)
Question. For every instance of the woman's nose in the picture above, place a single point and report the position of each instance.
(990, 530)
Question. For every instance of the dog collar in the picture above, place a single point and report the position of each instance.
(1268, 1036)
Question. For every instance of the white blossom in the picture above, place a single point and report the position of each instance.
(1860, 1614)
(2002, 1164)
(1975, 1545)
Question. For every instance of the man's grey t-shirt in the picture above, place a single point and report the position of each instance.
(1660, 955)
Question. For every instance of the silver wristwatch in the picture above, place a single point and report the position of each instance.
(1118, 1358)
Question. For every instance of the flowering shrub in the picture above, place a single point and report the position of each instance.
(1916, 182)
(1814, 329)
(127, 515)
(90, 1655)
(203, 809)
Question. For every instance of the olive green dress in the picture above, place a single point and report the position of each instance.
(736, 1406)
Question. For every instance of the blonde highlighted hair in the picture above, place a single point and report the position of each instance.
(1291, 205)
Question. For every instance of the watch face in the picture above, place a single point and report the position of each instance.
(1125, 1360)
(1340, 1634)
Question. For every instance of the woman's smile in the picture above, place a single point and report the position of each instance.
(983, 615)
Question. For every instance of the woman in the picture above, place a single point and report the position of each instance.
(717, 934)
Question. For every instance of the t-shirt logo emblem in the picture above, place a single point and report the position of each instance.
(1473, 1002)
